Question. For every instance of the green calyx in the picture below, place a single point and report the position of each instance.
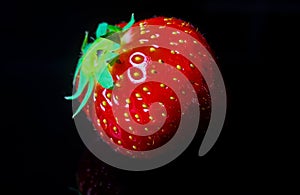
(92, 66)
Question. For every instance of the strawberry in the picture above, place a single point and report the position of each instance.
(133, 125)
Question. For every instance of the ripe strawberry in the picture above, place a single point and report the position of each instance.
(123, 128)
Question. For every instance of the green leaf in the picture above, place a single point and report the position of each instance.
(102, 29)
(79, 64)
(91, 85)
(113, 28)
(129, 24)
(105, 79)
(110, 55)
(86, 48)
(84, 43)
(82, 83)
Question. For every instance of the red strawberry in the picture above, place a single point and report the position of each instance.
(123, 128)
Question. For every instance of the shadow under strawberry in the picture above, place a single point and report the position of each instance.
(96, 177)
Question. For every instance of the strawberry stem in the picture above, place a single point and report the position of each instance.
(92, 65)
(105, 79)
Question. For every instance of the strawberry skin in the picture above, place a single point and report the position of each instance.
(135, 108)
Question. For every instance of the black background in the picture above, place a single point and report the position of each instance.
(40, 147)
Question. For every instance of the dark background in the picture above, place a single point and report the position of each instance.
(40, 45)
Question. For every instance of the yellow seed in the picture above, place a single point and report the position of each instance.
(173, 52)
(144, 106)
(126, 115)
(136, 74)
(137, 58)
(134, 147)
(151, 117)
(127, 100)
(141, 41)
(160, 61)
(130, 137)
(119, 142)
(162, 85)
(104, 121)
(137, 95)
(183, 92)
(115, 128)
(195, 42)
(175, 33)
(95, 95)
(172, 98)
(121, 76)
(163, 114)
(174, 79)
(169, 22)
(162, 27)
(130, 128)
(98, 121)
(104, 103)
(153, 36)
(146, 129)
(108, 95)
(141, 24)
(145, 89)
(178, 67)
(118, 85)
(192, 65)
(153, 71)
(137, 116)
(142, 32)
(181, 41)
(152, 49)
(142, 28)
